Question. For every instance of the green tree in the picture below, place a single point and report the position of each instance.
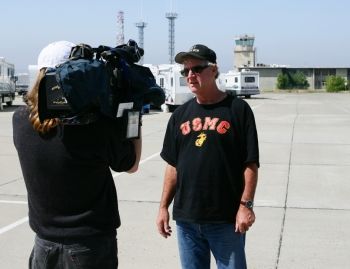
(282, 81)
(289, 80)
(300, 81)
(335, 84)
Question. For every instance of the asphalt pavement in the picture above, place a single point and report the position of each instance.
(302, 201)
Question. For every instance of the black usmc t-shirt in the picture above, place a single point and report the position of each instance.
(210, 145)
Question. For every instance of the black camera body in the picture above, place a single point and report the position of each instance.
(96, 81)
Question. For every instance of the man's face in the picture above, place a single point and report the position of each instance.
(199, 74)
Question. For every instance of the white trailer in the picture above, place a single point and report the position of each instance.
(7, 83)
(22, 83)
(173, 83)
(244, 83)
(33, 72)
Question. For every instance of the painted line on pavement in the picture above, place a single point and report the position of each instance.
(116, 174)
(13, 225)
(25, 219)
(13, 202)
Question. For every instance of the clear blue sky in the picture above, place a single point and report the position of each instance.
(312, 33)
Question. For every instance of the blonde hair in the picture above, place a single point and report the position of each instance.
(32, 102)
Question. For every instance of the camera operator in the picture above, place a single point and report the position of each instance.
(72, 199)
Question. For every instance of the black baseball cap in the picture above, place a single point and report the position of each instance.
(197, 51)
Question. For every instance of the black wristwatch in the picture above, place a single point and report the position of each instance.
(248, 204)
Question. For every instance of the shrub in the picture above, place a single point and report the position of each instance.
(282, 81)
(300, 81)
(288, 80)
(335, 84)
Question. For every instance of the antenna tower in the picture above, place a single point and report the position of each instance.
(120, 28)
(171, 16)
(141, 25)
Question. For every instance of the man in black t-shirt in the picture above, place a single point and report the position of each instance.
(212, 155)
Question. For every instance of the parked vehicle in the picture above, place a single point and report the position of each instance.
(7, 83)
(244, 83)
(22, 83)
(33, 72)
(174, 84)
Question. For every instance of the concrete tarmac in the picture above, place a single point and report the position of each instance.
(302, 202)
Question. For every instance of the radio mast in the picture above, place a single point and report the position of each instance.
(141, 25)
(120, 28)
(171, 16)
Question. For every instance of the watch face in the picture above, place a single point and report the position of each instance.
(249, 204)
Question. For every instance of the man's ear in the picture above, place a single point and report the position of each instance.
(216, 70)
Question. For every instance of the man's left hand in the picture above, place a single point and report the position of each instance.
(244, 219)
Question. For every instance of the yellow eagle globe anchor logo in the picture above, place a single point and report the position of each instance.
(201, 138)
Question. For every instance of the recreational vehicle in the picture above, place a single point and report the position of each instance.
(22, 83)
(244, 83)
(33, 72)
(173, 83)
(7, 83)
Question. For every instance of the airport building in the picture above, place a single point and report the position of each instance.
(245, 58)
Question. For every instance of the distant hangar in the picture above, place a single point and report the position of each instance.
(245, 57)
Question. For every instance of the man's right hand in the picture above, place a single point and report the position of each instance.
(163, 223)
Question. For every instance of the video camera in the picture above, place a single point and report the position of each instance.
(97, 81)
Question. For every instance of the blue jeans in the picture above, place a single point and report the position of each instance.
(94, 253)
(197, 240)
